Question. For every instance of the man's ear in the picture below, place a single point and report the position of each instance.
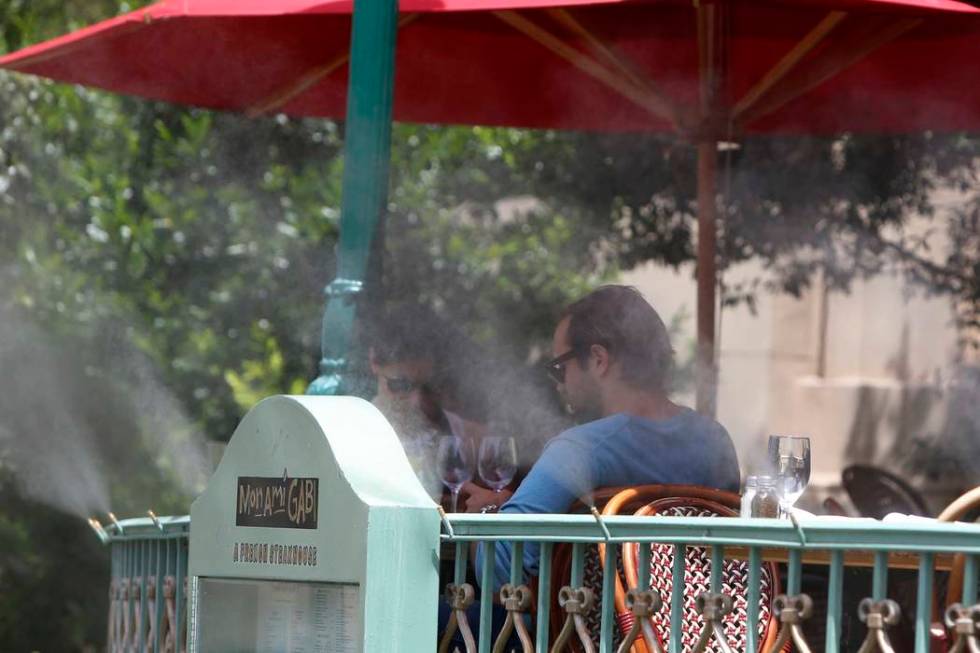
(371, 359)
(600, 359)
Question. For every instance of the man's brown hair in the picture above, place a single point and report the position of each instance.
(621, 320)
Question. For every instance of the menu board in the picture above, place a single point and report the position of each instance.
(305, 618)
(289, 617)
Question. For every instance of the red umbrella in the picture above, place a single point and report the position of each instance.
(806, 66)
(710, 71)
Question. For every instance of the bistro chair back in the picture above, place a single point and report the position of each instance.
(562, 570)
(666, 500)
(697, 580)
(875, 493)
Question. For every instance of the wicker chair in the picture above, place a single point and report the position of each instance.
(964, 507)
(561, 569)
(674, 500)
(697, 575)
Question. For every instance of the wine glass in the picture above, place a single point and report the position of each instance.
(497, 462)
(454, 461)
(790, 460)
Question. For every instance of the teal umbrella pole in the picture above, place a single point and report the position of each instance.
(367, 156)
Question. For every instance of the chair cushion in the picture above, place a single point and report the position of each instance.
(697, 579)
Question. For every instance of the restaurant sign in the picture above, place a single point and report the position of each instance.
(277, 502)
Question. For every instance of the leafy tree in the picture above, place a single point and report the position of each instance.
(501, 271)
(796, 204)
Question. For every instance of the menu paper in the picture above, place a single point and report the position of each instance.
(303, 618)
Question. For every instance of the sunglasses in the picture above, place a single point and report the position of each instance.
(555, 368)
(399, 385)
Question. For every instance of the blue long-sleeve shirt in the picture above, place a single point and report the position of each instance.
(619, 450)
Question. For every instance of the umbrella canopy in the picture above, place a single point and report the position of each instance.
(709, 71)
(803, 66)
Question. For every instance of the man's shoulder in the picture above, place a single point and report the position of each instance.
(588, 433)
(686, 428)
(580, 444)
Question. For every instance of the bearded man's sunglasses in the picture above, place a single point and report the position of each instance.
(555, 368)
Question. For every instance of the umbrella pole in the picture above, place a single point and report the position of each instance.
(367, 156)
(705, 372)
(714, 31)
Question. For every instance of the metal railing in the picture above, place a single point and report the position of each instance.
(922, 546)
(151, 553)
(148, 585)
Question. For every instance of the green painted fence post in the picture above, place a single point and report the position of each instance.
(367, 154)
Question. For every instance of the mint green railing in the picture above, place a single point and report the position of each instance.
(836, 541)
(148, 585)
(150, 553)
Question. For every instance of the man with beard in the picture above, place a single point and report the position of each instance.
(411, 353)
(612, 362)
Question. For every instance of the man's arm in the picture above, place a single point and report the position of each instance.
(562, 474)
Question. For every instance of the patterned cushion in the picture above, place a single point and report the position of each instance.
(697, 579)
(592, 578)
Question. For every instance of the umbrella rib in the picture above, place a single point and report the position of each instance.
(619, 61)
(789, 61)
(624, 87)
(284, 94)
(793, 87)
(296, 87)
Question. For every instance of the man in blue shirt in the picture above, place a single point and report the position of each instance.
(612, 365)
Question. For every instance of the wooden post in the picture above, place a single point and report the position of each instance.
(713, 53)
(705, 372)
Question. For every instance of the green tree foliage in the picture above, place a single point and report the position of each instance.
(501, 269)
(799, 205)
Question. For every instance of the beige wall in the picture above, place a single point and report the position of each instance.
(860, 373)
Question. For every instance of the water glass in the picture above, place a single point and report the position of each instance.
(497, 461)
(789, 458)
